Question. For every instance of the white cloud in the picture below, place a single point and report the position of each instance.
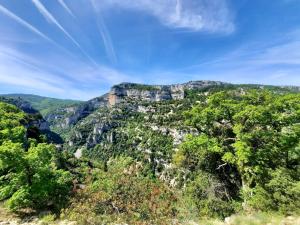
(196, 15)
(24, 23)
(108, 44)
(51, 19)
(64, 5)
(274, 62)
(283, 50)
(286, 53)
(30, 27)
(56, 75)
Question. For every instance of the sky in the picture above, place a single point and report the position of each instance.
(78, 49)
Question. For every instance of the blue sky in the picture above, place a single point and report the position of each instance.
(79, 48)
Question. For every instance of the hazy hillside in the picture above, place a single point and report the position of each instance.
(44, 105)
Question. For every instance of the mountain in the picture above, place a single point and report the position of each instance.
(44, 105)
(63, 119)
(122, 120)
(103, 120)
(20, 103)
(201, 149)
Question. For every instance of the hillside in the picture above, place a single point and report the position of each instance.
(163, 154)
(150, 107)
(44, 105)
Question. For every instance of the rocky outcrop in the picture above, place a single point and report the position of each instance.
(35, 123)
(63, 119)
(130, 91)
(66, 117)
(41, 124)
(178, 134)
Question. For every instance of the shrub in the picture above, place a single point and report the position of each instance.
(123, 194)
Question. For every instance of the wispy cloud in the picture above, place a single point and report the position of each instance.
(272, 62)
(108, 44)
(68, 78)
(64, 5)
(287, 53)
(200, 15)
(50, 18)
(12, 72)
(281, 50)
(30, 27)
(24, 23)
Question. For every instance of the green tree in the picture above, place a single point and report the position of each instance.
(11, 123)
(29, 173)
(32, 179)
(257, 134)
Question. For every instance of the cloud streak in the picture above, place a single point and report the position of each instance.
(64, 5)
(274, 62)
(67, 78)
(200, 15)
(24, 23)
(30, 27)
(108, 44)
(50, 18)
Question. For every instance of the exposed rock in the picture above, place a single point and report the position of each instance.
(178, 135)
(101, 121)
(67, 117)
(63, 119)
(78, 153)
(41, 124)
(119, 93)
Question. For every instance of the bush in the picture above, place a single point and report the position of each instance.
(210, 196)
(281, 193)
(123, 194)
(30, 176)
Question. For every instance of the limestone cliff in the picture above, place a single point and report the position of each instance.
(65, 118)
(154, 93)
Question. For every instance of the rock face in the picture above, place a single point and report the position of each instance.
(105, 119)
(41, 124)
(124, 91)
(67, 117)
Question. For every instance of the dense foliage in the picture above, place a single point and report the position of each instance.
(248, 152)
(29, 173)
